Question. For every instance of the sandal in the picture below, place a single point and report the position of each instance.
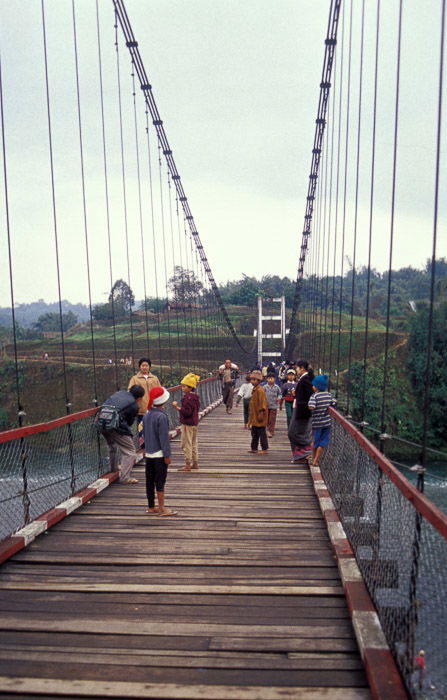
(130, 481)
(152, 512)
(166, 513)
(184, 469)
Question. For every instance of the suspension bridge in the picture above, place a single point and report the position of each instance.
(275, 580)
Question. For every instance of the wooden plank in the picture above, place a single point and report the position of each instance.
(183, 588)
(172, 691)
(238, 595)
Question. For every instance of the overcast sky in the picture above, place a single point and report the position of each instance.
(237, 87)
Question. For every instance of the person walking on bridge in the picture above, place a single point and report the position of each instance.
(228, 372)
(258, 416)
(147, 380)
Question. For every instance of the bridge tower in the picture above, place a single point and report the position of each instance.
(277, 318)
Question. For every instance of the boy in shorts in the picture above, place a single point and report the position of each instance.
(321, 421)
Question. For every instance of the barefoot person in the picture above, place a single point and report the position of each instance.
(157, 450)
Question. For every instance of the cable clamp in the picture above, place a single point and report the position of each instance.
(364, 422)
(68, 404)
(384, 436)
(21, 413)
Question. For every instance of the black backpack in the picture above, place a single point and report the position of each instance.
(108, 418)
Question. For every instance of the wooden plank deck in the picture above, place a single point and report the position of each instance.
(236, 597)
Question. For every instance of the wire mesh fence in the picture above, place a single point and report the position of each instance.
(41, 466)
(400, 543)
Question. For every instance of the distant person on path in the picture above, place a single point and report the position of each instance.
(189, 420)
(258, 416)
(421, 668)
(228, 372)
(288, 394)
(321, 421)
(244, 395)
(300, 428)
(119, 440)
(157, 451)
(147, 380)
(273, 394)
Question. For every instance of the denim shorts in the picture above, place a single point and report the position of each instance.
(321, 437)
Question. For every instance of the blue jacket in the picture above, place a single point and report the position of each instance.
(156, 432)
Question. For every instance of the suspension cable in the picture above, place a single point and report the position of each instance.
(428, 369)
(106, 191)
(371, 209)
(393, 205)
(124, 188)
(20, 411)
(325, 85)
(146, 88)
(84, 205)
(356, 203)
(54, 213)
(140, 207)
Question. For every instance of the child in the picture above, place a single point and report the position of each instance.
(189, 419)
(288, 394)
(157, 450)
(245, 393)
(273, 393)
(258, 416)
(321, 420)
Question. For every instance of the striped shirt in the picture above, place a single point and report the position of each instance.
(319, 404)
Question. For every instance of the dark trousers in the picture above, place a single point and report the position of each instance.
(259, 434)
(156, 473)
(246, 410)
(227, 395)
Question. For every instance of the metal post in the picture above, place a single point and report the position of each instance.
(283, 327)
(260, 330)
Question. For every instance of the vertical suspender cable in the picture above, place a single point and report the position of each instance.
(163, 238)
(123, 180)
(428, 369)
(84, 206)
(345, 187)
(356, 204)
(106, 191)
(180, 247)
(53, 200)
(393, 205)
(327, 364)
(154, 246)
(140, 207)
(20, 411)
(182, 301)
(371, 208)
(337, 189)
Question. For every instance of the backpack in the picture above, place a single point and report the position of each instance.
(108, 418)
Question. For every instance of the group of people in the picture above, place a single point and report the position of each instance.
(266, 390)
(144, 402)
(305, 397)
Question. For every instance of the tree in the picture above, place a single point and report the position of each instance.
(52, 322)
(184, 285)
(122, 297)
